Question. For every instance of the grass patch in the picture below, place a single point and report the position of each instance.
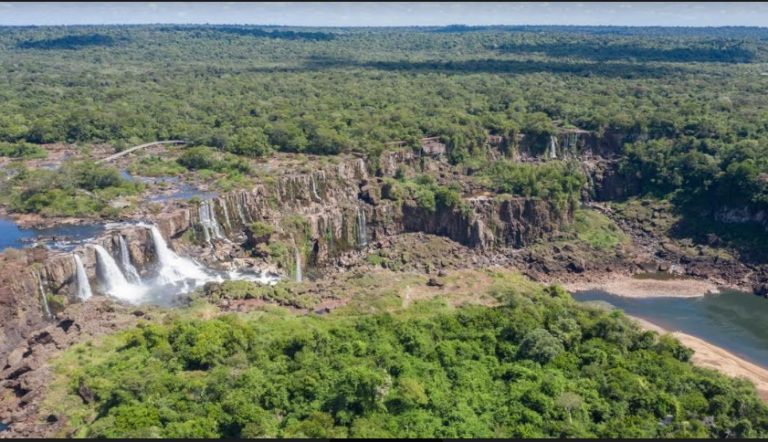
(597, 230)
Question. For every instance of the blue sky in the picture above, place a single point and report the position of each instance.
(389, 14)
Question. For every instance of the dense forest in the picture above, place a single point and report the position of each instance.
(538, 366)
(686, 108)
(689, 102)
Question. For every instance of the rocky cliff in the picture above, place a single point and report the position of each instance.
(326, 213)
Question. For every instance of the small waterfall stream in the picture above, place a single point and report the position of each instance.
(83, 286)
(240, 210)
(298, 264)
(314, 188)
(208, 220)
(226, 214)
(43, 298)
(242, 206)
(552, 147)
(362, 228)
(125, 260)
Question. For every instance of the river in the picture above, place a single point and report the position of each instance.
(734, 321)
(62, 237)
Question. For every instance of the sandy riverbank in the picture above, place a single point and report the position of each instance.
(630, 287)
(711, 356)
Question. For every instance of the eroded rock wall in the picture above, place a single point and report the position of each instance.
(340, 204)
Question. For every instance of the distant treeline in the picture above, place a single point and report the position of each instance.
(255, 32)
(752, 32)
(693, 116)
(68, 42)
(727, 51)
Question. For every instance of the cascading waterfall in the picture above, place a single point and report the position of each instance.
(207, 216)
(43, 298)
(362, 228)
(174, 276)
(112, 278)
(298, 264)
(83, 286)
(172, 267)
(552, 147)
(131, 274)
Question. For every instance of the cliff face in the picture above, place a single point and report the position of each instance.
(568, 143)
(338, 206)
(490, 222)
(20, 303)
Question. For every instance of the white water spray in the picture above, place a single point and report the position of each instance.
(83, 286)
(112, 278)
(172, 268)
(125, 260)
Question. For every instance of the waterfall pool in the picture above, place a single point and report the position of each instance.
(731, 320)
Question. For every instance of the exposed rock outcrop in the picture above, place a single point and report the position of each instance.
(328, 212)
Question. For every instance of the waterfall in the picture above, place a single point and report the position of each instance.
(215, 227)
(172, 267)
(83, 286)
(240, 209)
(298, 264)
(362, 229)
(226, 214)
(246, 215)
(207, 216)
(314, 187)
(125, 260)
(43, 298)
(552, 147)
(112, 278)
(204, 214)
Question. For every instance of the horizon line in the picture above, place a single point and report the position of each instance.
(380, 26)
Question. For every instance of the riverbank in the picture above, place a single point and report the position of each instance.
(627, 286)
(713, 357)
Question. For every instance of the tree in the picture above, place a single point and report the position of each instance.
(540, 346)
(569, 401)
